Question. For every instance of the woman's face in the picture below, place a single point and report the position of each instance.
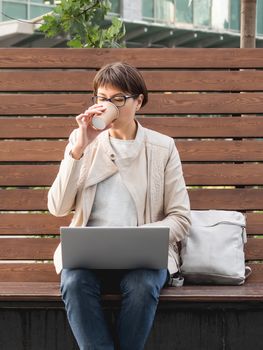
(128, 110)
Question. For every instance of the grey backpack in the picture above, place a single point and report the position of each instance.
(213, 253)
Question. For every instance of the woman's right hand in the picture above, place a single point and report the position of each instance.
(86, 133)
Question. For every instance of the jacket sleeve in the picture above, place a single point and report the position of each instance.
(62, 194)
(176, 200)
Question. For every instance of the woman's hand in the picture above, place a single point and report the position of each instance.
(86, 133)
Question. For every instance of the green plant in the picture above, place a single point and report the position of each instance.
(84, 22)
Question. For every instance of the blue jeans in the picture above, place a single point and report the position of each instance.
(140, 289)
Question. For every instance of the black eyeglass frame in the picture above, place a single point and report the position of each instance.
(110, 99)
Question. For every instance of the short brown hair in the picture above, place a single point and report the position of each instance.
(121, 75)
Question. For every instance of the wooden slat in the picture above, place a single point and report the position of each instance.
(31, 224)
(81, 80)
(159, 103)
(42, 151)
(190, 293)
(223, 174)
(47, 80)
(31, 128)
(32, 151)
(31, 291)
(27, 248)
(41, 291)
(142, 58)
(236, 151)
(191, 127)
(257, 273)
(27, 175)
(203, 80)
(28, 272)
(254, 223)
(238, 199)
(195, 174)
(228, 199)
(46, 224)
(254, 249)
(36, 104)
(23, 199)
(46, 273)
(206, 126)
(43, 248)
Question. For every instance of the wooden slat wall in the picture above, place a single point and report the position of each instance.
(228, 199)
(169, 80)
(209, 100)
(160, 103)
(190, 127)
(141, 58)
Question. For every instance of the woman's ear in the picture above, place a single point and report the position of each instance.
(140, 101)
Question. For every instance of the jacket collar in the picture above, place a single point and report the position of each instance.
(103, 163)
(135, 149)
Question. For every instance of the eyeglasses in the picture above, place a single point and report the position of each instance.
(119, 101)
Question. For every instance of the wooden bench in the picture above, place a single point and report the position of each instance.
(211, 102)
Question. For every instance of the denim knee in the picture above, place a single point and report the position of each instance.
(140, 286)
(73, 281)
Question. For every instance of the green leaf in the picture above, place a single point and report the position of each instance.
(82, 21)
(74, 43)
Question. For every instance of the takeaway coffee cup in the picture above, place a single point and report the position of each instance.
(100, 122)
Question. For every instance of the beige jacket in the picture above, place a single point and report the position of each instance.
(155, 156)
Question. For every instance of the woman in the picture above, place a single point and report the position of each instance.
(126, 175)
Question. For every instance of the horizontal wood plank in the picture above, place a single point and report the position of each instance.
(28, 272)
(222, 174)
(30, 291)
(190, 151)
(257, 273)
(203, 80)
(228, 151)
(156, 80)
(41, 291)
(229, 199)
(46, 80)
(178, 127)
(202, 127)
(39, 151)
(194, 174)
(31, 224)
(23, 199)
(43, 248)
(40, 127)
(27, 248)
(254, 249)
(28, 175)
(159, 103)
(254, 223)
(213, 293)
(140, 57)
(46, 224)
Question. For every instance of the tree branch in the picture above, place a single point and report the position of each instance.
(89, 8)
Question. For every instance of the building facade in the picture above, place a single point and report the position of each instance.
(158, 23)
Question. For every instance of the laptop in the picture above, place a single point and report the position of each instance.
(115, 247)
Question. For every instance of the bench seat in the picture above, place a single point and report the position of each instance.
(210, 101)
(43, 291)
